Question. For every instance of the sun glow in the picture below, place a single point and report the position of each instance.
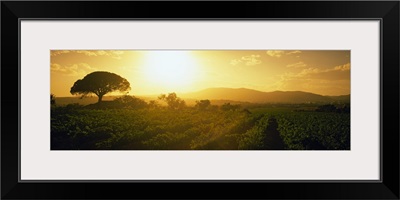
(173, 70)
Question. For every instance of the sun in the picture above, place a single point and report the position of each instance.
(173, 70)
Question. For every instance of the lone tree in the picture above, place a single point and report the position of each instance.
(100, 83)
(203, 104)
(173, 101)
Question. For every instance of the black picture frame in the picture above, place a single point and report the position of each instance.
(386, 11)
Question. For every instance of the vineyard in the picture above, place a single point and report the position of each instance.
(75, 127)
(317, 131)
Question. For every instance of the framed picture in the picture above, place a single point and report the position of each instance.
(301, 98)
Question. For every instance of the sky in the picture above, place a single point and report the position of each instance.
(151, 72)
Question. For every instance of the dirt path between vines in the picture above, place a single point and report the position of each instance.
(273, 140)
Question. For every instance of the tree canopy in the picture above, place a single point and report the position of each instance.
(229, 106)
(173, 101)
(203, 104)
(127, 101)
(100, 83)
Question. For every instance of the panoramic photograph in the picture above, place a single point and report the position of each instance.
(200, 99)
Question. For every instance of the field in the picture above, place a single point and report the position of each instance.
(226, 127)
(236, 99)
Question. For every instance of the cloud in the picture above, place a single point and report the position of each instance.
(111, 53)
(251, 60)
(236, 61)
(277, 54)
(80, 69)
(332, 81)
(341, 72)
(344, 67)
(247, 60)
(297, 65)
(58, 52)
(293, 52)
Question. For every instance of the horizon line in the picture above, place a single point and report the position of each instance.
(77, 96)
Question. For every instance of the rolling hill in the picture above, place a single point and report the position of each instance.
(254, 96)
(233, 95)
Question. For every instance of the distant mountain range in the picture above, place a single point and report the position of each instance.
(255, 96)
(232, 95)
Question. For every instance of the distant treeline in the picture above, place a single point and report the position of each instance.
(172, 101)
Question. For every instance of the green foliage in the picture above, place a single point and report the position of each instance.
(317, 131)
(332, 108)
(228, 107)
(152, 128)
(153, 104)
(52, 99)
(127, 101)
(100, 83)
(173, 101)
(326, 108)
(203, 104)
(254, 138)
(124, 102)
(77, 128)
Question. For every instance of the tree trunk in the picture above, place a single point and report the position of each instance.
(100, 98)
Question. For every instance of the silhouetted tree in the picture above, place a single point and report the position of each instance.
(203, 104)
(228, 106)
(247, 111)
(127, 101)
(153, 104)
(52, 99)
(173, 101)
(326, 108)
(100, 83)
(343, 109)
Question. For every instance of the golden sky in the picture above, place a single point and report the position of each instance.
(151, 72)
